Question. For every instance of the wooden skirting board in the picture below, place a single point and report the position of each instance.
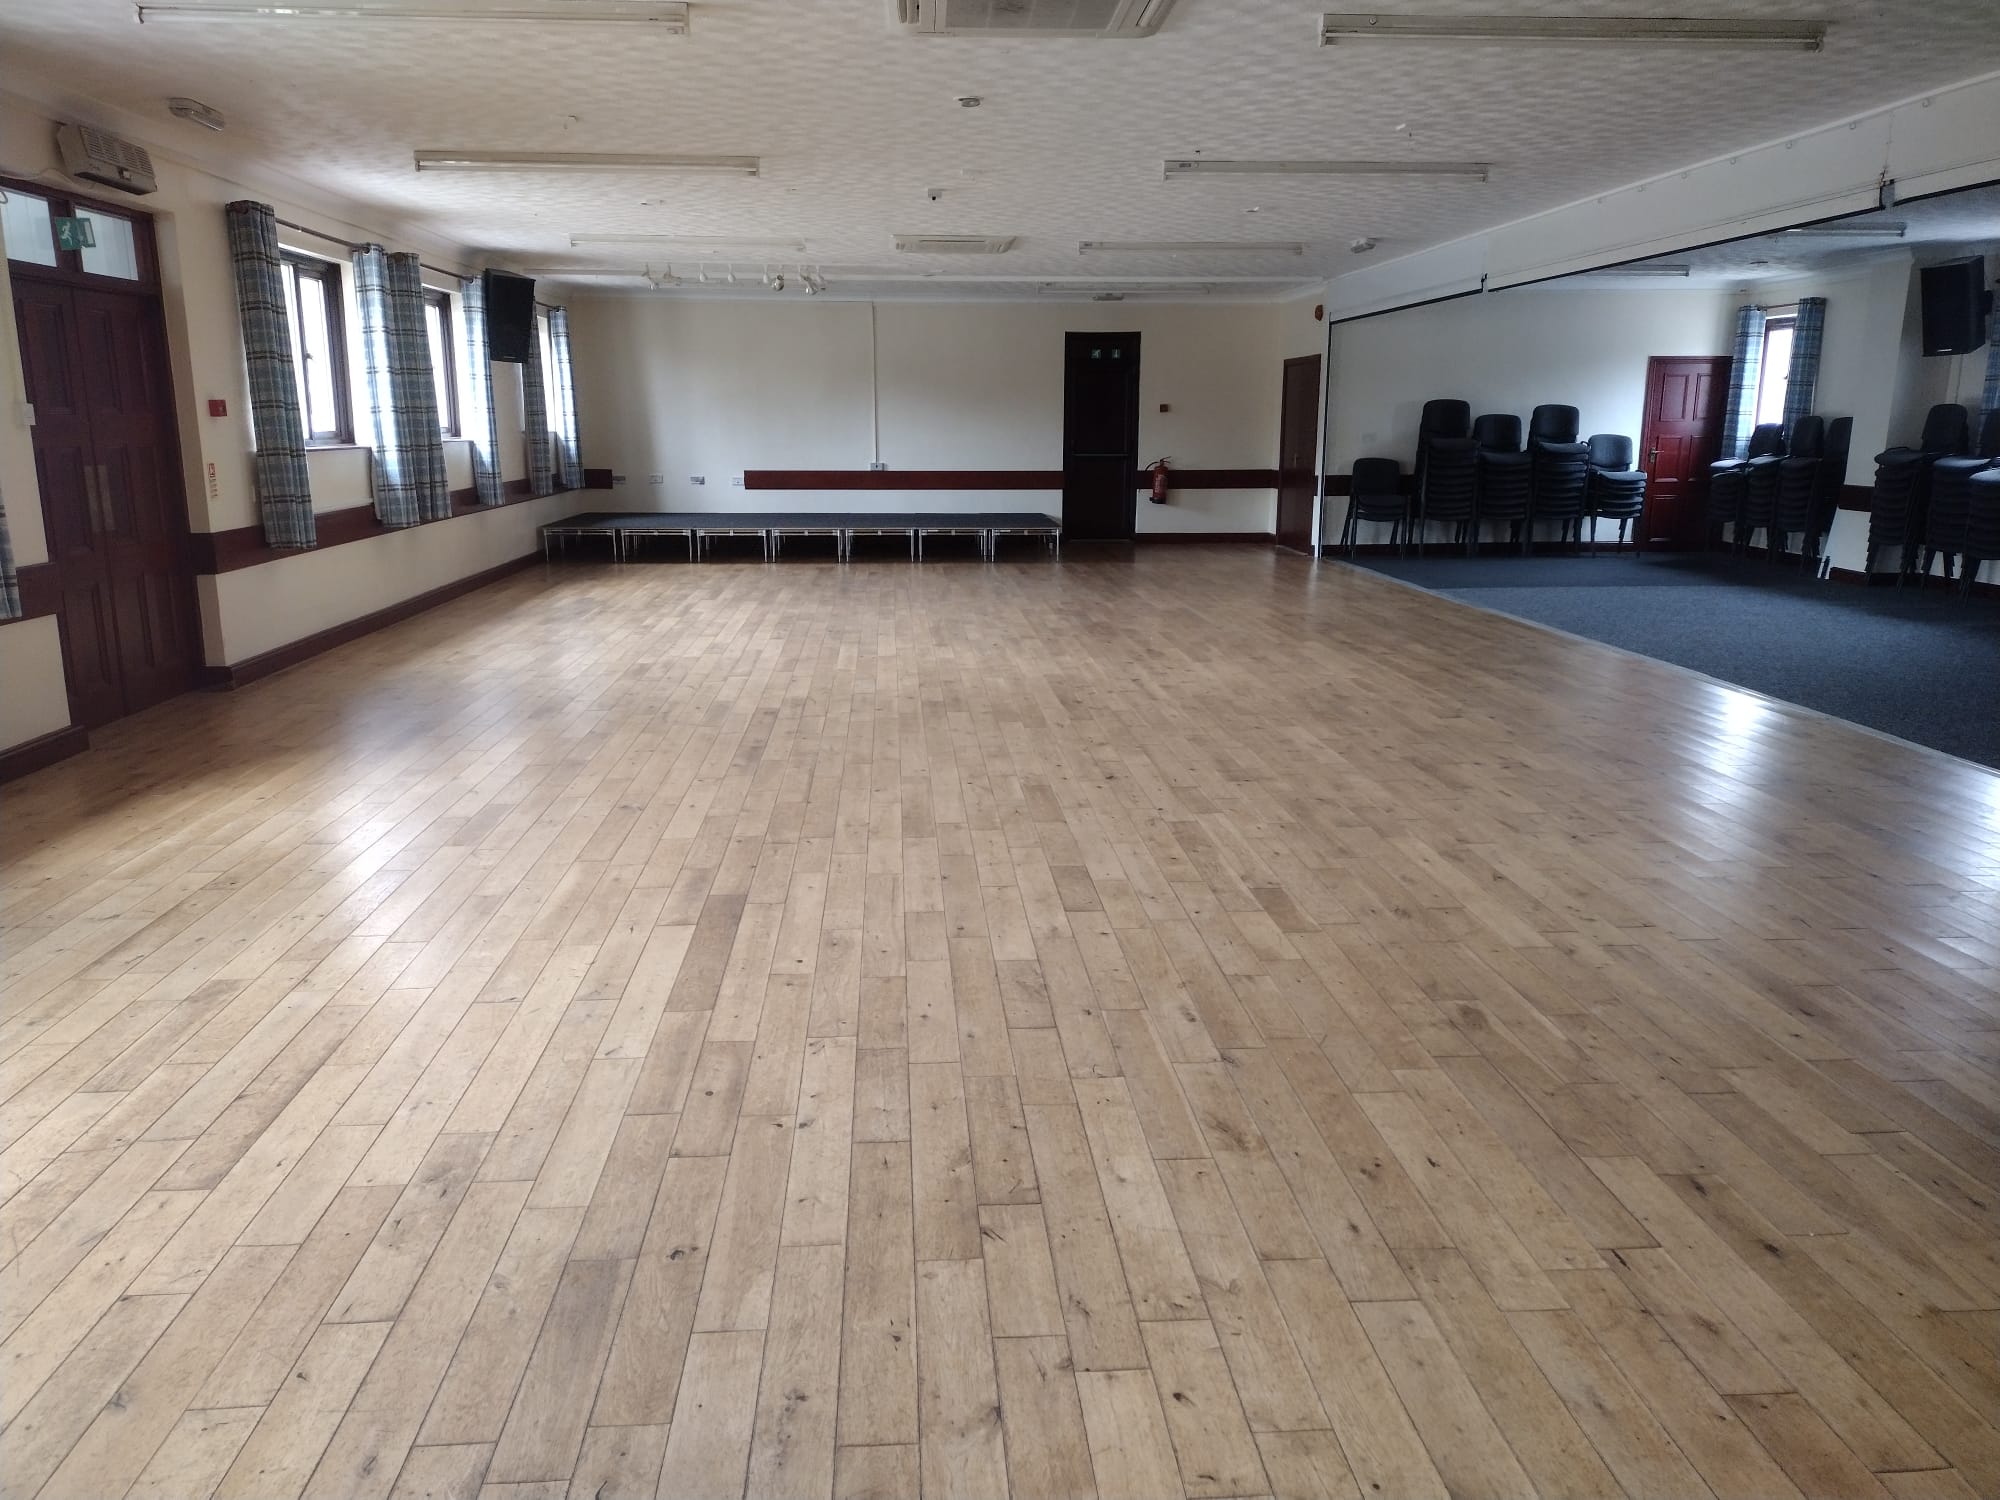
(43, 750)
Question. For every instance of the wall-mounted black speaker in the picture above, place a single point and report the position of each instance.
(510, 316)
(1956, 305)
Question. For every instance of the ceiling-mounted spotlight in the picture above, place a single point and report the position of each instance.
(1475, 171)
(1361, 246)
(195, 113)
(1487, 31)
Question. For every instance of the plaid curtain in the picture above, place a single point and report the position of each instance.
(1808, 334)
(535, 417)
(476, 414)
(10, 584)
(408, 461)
(569, 462)
(1989, 400)
(284, 489)
(1746, 357)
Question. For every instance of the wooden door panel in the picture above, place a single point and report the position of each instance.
(1100, 435)
(1680, 436)
(1298, 451)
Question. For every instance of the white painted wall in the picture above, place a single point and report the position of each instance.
(1508, 352)
(683, 386)
(251, 610)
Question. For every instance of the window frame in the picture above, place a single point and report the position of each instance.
(448, 418)
(69, 263)
(299, 264)
(1786, 322)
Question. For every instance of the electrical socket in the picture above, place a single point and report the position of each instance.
(877, 468)
(656, 479)
(697, 479)
(736, 482)
(617, 480)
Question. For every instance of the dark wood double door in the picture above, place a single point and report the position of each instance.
(108, 459)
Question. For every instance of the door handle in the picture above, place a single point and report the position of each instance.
(1652, 457)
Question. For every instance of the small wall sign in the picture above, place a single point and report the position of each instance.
(75, 234)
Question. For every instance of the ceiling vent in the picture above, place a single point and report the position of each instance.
(100, 157)
(1118, 19)
(955, 244)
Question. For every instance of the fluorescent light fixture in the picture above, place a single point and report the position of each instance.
(581, 161)
(1853, 231)
(1124, 289)
(1644, 270)
(699, 244)
(1472, 171)
(669, 16)
(1339, 29)
(1192, 247)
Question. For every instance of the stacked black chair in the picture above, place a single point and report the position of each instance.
(1949, 513)
(1504, 475)
(1442, 421)
(1729, 483)
(1760, 493)
(1560, 470)
(1982, 524)
(1902, 487)
(1450, 494)
(1809, 484)
(1615, 490)
(1790, 481)
(1375, 493)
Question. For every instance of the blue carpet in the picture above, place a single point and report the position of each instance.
(1908, 662)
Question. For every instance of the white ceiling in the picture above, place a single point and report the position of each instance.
(855, 123)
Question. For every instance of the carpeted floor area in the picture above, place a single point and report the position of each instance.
(1909, 663)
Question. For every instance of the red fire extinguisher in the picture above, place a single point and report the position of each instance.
(1159, 492)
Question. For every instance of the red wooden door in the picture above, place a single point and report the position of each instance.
(107, 458)
(1680, 437)
(1298, 452)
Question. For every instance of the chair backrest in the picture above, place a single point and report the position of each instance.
(1553, 424)
(1839, 438)
(1988, 445)
(1610, 450)
(1767, 440)
(1375, 476)
(1808, 437)
(1946, 429)
(1497, 432)
(1444, 419)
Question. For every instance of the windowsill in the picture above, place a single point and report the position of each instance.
(336, 447)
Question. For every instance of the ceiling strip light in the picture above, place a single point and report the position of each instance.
(1338, 28)
(582, 161)
(669, 16)
(1202, 247)
(695, 243)
(1474, 171)
(1644, 270)
(1853, 231)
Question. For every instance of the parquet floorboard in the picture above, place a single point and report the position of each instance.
(1185, 1022)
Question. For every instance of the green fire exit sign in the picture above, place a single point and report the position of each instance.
(75, 234)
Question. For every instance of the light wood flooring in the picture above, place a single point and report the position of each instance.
(1185, 1023)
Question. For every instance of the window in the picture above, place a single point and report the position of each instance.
(1775, 374)
(444, 367)
(319, 352)
(25, 220)
(544, 333)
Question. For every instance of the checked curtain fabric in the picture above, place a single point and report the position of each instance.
(476, 414)
(535, 417)
(408, 444)
(10, 585)
(569, 463)
(1749, 355)
(284, 489)
(1808, 335)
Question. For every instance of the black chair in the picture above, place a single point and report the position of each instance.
(1982, 524)
(1450, 490)
(1729, 484)
(1951, 497)
(1809, 484)
(1760, 491)
(1559, 469)
(1902, 487)
(1442, 420)
(1615, 490)
(1375, 493)
(1504, 476)
(1784, 482)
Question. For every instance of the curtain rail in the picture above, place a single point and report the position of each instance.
(342, 240)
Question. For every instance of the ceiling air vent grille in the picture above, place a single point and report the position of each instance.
(1000, 18)
(98, 156)
(955, 244)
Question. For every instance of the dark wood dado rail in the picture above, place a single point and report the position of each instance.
(990, 479)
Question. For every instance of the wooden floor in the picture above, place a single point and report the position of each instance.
(1185, 1023)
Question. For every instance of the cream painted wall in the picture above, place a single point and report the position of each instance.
(33, 700)
(1508, 352)
(683, 387)
(251, 610)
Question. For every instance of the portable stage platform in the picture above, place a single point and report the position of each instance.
(624, 529)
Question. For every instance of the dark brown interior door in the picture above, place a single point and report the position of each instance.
(1679, 439)
(112, 504)
(1298, 452)
(1100, 435)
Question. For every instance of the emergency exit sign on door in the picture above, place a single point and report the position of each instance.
(75, 234)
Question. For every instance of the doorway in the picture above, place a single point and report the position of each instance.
(107, 453)
(1298, 452)
(1679, 438)
(1100, 436)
